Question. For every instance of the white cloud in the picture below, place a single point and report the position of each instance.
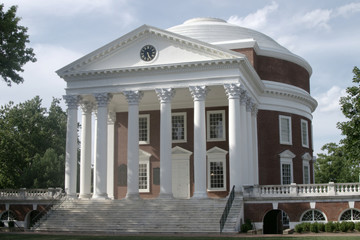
(329, 101)
(318, 18)
(255, 20)
(348, 9)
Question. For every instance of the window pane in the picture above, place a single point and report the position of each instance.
(286, 174)
(216, 175)
(143, 129)
(306, 175)
(285, 130)
(304, 134)
(216, 125)
(143, 183)
(178, 127)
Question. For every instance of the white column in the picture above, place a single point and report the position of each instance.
(250, 159)
(165, 95)
(72, 102)
(110, 154)
(85, 157)
(199, 94)
(100, 170)
(243, 140)
(233, 93)
(133, 98)
(255, 143)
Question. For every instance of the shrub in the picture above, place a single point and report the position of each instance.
(350, 226)
(343, 227)
(357, 226)
(329, 227)
(299, 228)
(246, 226)
(11, 224)
(337, 227)
(321, 227)
(2, 224)
(307, 226)
(314, 227)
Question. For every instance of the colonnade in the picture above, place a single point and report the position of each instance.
(242, 127)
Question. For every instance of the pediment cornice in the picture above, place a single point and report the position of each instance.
(142, 32)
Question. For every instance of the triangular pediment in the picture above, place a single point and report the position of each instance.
(179, 150)
(287, 154)
(306, 157)
(124, 52)
(216, 150)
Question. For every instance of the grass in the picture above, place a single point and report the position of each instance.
(13, 236)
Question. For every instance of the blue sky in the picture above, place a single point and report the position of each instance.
(325, 32)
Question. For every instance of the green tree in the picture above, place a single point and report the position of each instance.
(341, 162)
(13, 51)
(27, 132)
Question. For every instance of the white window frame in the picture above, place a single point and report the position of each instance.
(287, 157)
(304, 139)
(306, 163)
(147, 116)
(144, 158)
(313, 215)
(185, 127)
(216, 154)
(223, 138)
(282, 141)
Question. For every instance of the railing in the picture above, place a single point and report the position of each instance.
(29, 194)
(42, 215)
(227, 209)
(302, 190)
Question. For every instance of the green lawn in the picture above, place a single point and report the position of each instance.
(12, 236)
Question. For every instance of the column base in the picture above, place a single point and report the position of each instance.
(71, 196)
(85, 196)
(102, 196)
(166, 196)
(132, 196)
(200, 195)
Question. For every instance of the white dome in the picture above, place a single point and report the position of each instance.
(219, 32)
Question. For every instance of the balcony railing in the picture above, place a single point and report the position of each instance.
(302, 190)
(30, 194)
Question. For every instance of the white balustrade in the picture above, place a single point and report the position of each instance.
(29, 194)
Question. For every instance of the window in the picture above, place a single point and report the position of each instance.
(285, 219)
(144, 171)
(306, 174)
(216, 125)
(178, 127)
(304, 133)
(216, 169)
(285, 130)
(350, 215)
(144, 129)
(313, 216)
(286, 164)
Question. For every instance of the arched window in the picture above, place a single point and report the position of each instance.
(8, 215)
(350, 215)
(313, 215)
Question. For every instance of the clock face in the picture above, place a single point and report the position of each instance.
(148, 53)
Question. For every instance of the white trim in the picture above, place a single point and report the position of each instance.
(282, 141)
(223, 138)
(216, 154)
(144, 158)
(313, 210)
(147, 116)
(352, 215)
(306, 142)
(185, 126)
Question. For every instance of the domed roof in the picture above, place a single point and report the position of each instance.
(219, 32)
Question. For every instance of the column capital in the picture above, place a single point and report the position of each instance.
(133, 97)
(199, 92)
(233, 90)
(111, 118)
(87, 106)
(165, 94)
(249, 104)
(243, 96)
(255, 109)
(72, 101)
(102, 99)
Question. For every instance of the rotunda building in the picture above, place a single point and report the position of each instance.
(188, 112)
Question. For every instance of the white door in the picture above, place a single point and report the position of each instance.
(181, 178)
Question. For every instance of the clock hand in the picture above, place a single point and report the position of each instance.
(148, 54)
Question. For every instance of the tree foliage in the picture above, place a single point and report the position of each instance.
(13, 51)
(341, 162)
(30, 135)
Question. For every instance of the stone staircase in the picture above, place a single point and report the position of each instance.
(142, 216)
